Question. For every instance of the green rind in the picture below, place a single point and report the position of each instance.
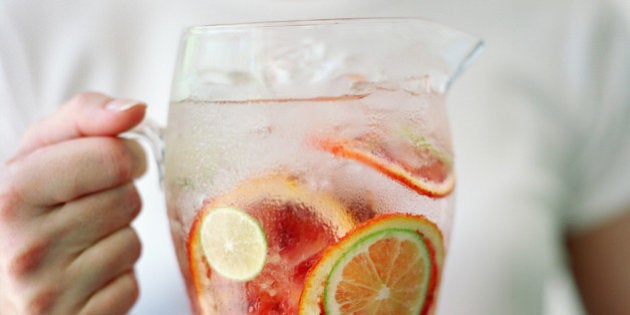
(368, 240)
(419, 141)
(309, 301)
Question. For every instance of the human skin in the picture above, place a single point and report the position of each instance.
(67, 199)
(600, 260)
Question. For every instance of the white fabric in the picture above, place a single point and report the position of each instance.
(541, 123)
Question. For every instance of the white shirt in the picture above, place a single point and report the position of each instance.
(541, 123)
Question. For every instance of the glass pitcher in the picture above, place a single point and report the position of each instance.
(308, 165)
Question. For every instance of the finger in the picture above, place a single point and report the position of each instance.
(87, 114)
(59, 173)
(82, 222)
(104, 261)
(117, 297)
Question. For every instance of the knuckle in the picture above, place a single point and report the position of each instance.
(10, 200)
(83, 98)
(130, 248)
(117, 160)
(28, 259)
(134, 196)
(128, 292)
(134, 245)
(137, 154)
(24, 290)
(133, 287)
(134, 201)
(43, 302)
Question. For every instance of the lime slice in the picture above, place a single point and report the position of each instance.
(233, 243)
(299, 224)
(386, 272)
(384, 245)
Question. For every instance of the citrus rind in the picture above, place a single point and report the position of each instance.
(233, 243)
(255, 197)
(433, 175)
(312, 298)
(377, 288)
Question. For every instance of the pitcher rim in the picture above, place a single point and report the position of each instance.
(315, 22)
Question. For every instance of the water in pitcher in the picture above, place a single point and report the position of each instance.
(323, 205)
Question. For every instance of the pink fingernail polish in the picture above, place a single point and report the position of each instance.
(120, 105)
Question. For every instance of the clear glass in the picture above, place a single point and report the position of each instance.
(309, 164)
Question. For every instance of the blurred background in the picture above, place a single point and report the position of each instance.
(546, 74)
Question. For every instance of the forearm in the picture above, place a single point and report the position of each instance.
(600, 260)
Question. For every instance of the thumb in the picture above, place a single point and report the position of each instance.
(87, 114)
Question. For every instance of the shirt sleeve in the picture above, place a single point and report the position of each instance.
(599, 77)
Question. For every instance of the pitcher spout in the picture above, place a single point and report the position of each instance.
(459, 54)
(441, 53)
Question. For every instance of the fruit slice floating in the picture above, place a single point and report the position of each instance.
(298, 223)
(384, 273)
(233, 243)
(388, 265)
(406, 158)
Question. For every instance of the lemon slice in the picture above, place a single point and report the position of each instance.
(233, 243)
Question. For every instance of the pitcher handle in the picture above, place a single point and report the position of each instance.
(152, 134)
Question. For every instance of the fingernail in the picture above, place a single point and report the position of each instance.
(121, 105)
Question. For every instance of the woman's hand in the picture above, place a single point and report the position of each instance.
(66, 203)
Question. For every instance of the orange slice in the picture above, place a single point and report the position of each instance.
(408, 159)
(388, 265)
(298, 224)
